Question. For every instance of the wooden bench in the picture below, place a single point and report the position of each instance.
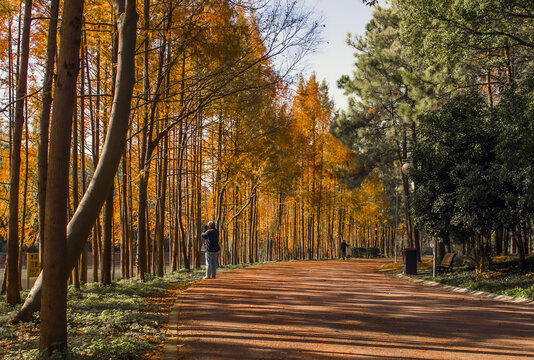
(446, 264)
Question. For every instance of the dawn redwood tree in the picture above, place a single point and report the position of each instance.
(85, 216)
(44, 120)
(107, 246)
(13, 276)
(283, 31)
(54, 288)
(218, 68)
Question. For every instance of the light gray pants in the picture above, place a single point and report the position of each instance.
(211, 264)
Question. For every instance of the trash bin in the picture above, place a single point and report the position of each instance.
(409, 261)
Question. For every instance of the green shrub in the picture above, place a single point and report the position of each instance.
(21, 354)
(7, 333)
(505, 278)
(127, 346)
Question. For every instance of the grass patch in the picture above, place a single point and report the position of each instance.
(125, 320)
(503, 277)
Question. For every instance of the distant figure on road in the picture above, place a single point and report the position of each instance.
(344, 247)
(211, 236)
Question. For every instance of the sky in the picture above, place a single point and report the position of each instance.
(335, 58)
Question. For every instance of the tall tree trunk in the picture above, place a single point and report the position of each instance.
(24, 199)
(148, 144)
(524, 236)
(55, 267)
(198, 190)
(489, 84)
(44, 120)
(143, 179)
(318, 225)
(13, 279)
(183, 237)
(11, 96)
(130, 206)
(497, 236)
(519, 240)
(161, 222)
(85, 216)
(75, 194)
(83, 261)
(141, 227)
(107, 222)
(173, 206)
(125, 246)
(251, 227)
(94, 122)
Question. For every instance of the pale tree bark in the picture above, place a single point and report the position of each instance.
(85, 216)
(13, 279)
(54, 285)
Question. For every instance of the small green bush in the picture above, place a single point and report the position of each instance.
(7, 333)
(123, 347)
(21, 354)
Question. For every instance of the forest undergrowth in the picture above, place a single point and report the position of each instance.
(125, 320)
(504, 275)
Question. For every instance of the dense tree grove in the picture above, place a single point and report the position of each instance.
(443, 90)
(133, 123)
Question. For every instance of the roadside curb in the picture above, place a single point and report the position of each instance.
(476, 293)
(170, 350)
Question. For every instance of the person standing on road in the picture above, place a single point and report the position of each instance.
(344, 247)
(211, 236)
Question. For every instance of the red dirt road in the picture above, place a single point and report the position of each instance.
(344, 310)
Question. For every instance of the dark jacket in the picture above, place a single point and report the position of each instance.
(212, 240)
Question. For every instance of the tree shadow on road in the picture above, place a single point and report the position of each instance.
(328, 310)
